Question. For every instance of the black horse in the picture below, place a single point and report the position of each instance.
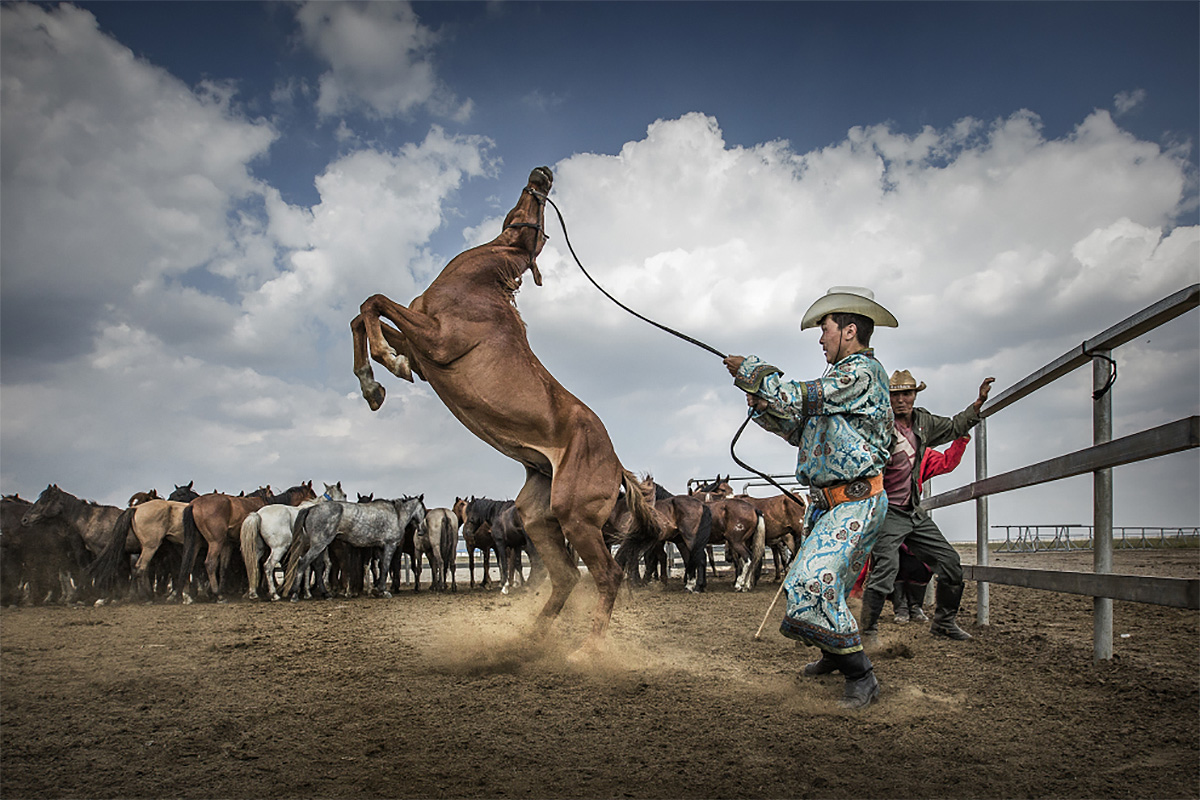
(496, 525)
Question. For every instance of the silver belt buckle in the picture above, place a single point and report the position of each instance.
(858, 489)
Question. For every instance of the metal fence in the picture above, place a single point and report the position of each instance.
(1099, 460)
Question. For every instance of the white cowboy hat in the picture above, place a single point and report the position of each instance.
(851, 300)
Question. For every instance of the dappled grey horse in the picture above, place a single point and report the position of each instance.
(380, 523)
(268, 532)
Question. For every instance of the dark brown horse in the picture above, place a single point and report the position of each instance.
(740, 527)
(88, 526)
(686, 522)
(464, 336)
(42, 561)
(477, 537)
(497, 523)
(217, 519)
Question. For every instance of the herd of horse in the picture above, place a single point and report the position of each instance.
(297, 544)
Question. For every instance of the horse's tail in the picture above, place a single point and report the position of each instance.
(250, 550)
(758, 544)
(191, 545)
(699, 556)
(299, 547)
(103, 570)
(647, 526)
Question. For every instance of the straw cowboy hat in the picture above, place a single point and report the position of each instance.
(903, 381)
(848, 300)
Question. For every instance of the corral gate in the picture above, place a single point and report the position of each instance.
(1099, 459)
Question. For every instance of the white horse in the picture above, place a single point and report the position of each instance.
(439, 542)
(271, 527)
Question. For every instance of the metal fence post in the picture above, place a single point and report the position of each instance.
(1102, 501)
(981, 523)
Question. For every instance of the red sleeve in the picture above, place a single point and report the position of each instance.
(937, 463)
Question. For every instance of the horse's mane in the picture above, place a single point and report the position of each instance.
(662, 493)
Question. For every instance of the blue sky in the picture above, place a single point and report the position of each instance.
(208, 190)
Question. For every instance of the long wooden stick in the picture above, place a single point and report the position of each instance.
(758, 633)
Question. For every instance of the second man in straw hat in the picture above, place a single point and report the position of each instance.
(906, 522)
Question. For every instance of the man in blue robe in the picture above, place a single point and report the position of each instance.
(842, 425)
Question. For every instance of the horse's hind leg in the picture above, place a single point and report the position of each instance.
(533, 502)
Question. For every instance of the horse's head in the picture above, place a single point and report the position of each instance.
(412, 512)
(366, 498)
(142, 497)
(184, 494)
(49, 505)
(716, 488)
(477, 512)
(298, 494)
(528, 219)
(460, 509)
(334, 492)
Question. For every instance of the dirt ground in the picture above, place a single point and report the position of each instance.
(439, 696)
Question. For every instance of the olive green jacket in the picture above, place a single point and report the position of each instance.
(931, 431)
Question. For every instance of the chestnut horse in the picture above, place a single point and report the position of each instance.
(217, 518)
(465, 337)
(784, 520)
(783, 517)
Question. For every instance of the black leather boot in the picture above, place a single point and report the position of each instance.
(900, 603)
(824, 666)
(872, 607)
(861, 684)
(916, 599)
(949, 598)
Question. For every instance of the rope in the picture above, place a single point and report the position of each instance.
(676, 333)
(1112, 371)
(671, 331)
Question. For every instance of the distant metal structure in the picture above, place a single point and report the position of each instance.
(1099, 460)
(1059, 538)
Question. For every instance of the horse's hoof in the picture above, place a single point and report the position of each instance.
(373, 393)
(398, 366)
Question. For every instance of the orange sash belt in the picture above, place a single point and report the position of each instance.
(857, 489)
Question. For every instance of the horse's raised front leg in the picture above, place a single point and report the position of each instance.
(420, 328)
(372, 391)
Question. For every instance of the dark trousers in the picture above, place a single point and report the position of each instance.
(917, 530)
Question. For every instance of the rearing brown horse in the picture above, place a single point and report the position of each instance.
(464, 336)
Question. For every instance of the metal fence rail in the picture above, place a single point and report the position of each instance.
(1099, 459)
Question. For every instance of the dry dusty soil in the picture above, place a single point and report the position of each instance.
(439, 696)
